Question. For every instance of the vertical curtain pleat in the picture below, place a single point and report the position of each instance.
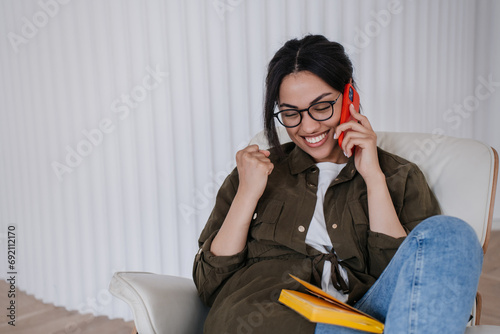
(147, 102)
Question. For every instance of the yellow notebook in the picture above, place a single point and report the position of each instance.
(325, 308)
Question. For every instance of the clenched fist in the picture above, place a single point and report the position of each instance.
(254, 168)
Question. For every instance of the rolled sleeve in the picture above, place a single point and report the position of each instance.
(381, 248)
(210, 272)
(382, 242)
(221, 264)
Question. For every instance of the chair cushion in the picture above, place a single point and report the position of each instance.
(459, 172)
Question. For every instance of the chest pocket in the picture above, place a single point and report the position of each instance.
(263, 226)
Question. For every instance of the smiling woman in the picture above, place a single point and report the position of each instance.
(351, 219)
(314, 135)
(142, 194)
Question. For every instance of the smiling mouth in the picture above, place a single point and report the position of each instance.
(317, 139)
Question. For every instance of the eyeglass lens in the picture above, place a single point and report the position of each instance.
(320, 111)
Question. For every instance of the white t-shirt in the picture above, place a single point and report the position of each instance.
(317, 235)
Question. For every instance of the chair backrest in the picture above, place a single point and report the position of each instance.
(462, 173)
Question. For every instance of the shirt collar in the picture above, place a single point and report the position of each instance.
(299, 161)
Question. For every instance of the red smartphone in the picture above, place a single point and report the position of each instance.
(350, 96)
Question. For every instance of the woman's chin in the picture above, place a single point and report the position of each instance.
(319, 154)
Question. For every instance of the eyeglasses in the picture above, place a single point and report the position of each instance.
(320, 111)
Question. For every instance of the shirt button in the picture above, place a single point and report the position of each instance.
(255, 216)
(334, 226)
(312, 185)
(301, 228)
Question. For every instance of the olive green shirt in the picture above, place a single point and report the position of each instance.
(243, 289)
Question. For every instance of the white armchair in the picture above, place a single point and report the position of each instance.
(461, 172)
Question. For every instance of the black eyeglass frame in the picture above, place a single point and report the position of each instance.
(307, 109)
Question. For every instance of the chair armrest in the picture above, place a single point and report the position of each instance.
(483, 330)
(160, 303)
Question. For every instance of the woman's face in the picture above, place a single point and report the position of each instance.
(300, 90)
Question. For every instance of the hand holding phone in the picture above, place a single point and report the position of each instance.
(350, 96)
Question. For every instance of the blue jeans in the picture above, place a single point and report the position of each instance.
(430, 284)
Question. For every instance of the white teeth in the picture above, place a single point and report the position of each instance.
(314, 140)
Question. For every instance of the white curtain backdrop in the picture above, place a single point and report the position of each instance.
(120, 118)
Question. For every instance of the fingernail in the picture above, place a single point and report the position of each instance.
(346, 155)
(335, 135)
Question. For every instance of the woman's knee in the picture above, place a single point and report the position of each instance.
(450, 244)
(449, 232)
(445, 225)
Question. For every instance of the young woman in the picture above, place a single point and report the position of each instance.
(357, 221)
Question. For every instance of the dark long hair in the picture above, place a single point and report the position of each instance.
(313, 53)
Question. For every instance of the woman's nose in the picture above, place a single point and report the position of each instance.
(308, 124)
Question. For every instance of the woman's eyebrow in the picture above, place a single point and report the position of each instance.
(312, 102)
(320, 97)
